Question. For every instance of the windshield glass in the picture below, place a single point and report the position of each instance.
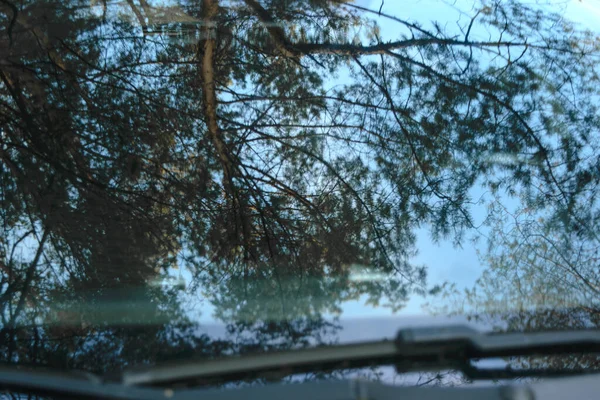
(199, 178)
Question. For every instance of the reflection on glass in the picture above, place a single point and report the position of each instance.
(271, 161)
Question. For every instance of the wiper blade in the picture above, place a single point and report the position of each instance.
(557, 389)
(416, 349)
(70, 385)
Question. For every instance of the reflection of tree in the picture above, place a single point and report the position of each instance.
(541, 275)
(233, 155)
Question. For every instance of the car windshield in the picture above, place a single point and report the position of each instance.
(190, 179)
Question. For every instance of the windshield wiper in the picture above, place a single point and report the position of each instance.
(585, 387)
(418, 349)
(70, 385)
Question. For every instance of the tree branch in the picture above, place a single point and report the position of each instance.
(139, 16)
(13, 19)
(28, 279)
(277, 34)
(294, 50)
(207, 50)
(348, 49)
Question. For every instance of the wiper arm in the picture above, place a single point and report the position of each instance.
(418, 349)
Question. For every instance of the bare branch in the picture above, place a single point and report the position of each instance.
(28, 279)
